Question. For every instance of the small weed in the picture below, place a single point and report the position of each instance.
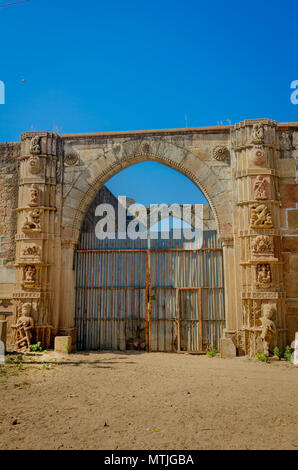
(45, 366)
(212, 353)
(36, 347)
(287, 353)
(276, 352)
(261, 357)
(66, 349)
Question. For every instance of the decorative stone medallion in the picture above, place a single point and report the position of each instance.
(71, 159)
(221, 153)
(257, 155)
(34, 165)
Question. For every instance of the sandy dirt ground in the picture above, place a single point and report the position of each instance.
(148, 401)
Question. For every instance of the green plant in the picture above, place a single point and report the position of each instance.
(36, 347)
(45, 365)
(287, 353)
(276, 351)
(66, 349)
(212, 353)
(261, 357)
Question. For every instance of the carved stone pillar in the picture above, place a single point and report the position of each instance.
(36, 229)
(257, 224)
(230, 286)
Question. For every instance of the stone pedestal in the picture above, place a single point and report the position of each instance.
(227, 348)
(63, 344)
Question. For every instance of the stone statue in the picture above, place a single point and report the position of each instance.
(268, 326)
(23, 328)
(260, 190)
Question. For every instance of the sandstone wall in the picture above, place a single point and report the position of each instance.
(8, 215)
(8, 220)
(288, 167)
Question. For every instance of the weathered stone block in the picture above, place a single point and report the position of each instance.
(227, 348)
(289, 192)
(287, 168)
(63, 344)
(293, 218)
(290, 244)
(291, 284)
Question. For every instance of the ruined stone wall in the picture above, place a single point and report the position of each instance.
(288, 168)
(8, 201)
(248, 173)
(8, 220)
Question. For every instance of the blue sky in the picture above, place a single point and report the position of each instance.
(112, 65)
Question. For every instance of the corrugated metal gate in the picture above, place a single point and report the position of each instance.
(162, 298)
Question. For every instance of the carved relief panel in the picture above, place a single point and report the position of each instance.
(261, 187)
(260, 216)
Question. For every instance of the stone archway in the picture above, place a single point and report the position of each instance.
(244, 172)
(91, 166)
(90, 176)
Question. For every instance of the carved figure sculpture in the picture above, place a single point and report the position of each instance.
(258, 132)
(35, 146)
(260, 216)
(32, 221)
(268, 326)
(29, 276)
(262, 244)
(285, 141)
(32, 251)
(33, 196)
(260, 189)
(23, 328)
(264, 277)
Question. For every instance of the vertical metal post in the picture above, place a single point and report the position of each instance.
(148, 302)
